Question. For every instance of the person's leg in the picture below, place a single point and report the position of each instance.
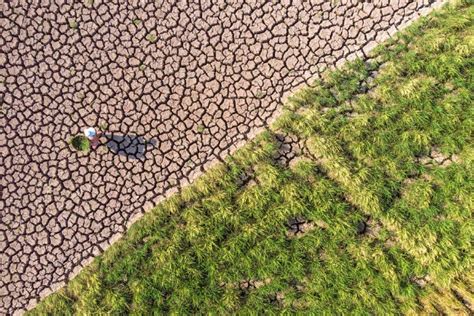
(95, 142)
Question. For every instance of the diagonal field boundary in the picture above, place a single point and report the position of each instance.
(177, 87)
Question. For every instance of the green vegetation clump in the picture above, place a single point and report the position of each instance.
(103, 126)
(201, 128)
(152, 38)
(136, 21)
(80, 143)
(73, 24)
(259, 94)
(383, 197)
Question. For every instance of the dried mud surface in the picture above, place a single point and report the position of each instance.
(178, 84)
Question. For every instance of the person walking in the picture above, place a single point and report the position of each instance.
(92, 136)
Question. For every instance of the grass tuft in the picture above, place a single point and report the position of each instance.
(80, 143)
(152, 38)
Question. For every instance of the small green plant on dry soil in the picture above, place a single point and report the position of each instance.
(80, 143)
(151, 38)
(103, 126)
(73, 24)
(136, 21)
(259, 94)
(200, 128)
(383, 194)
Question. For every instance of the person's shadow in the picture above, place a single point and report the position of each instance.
(129, 145)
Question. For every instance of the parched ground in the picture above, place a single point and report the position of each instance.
(176, 85)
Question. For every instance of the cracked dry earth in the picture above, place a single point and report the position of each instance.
(179, 85)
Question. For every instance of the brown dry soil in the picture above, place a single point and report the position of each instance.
(178, 85)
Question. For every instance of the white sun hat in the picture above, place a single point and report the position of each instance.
(90, 132)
